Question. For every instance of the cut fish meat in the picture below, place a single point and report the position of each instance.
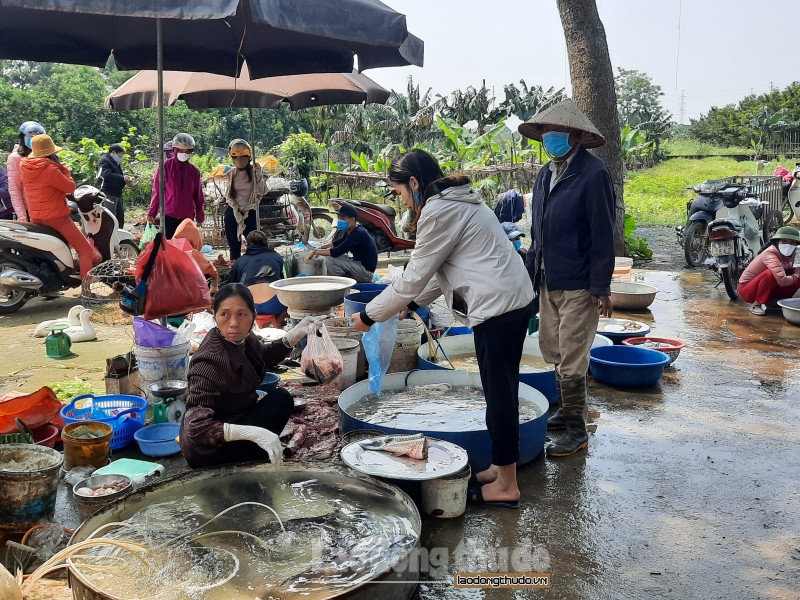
(413, 446)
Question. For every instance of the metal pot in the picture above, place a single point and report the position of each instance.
(791, 310)
(314, 295)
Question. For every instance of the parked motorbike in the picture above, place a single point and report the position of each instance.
(36, 260)
(791, 207)
(735, 236)
(287, 217)
(378, 220)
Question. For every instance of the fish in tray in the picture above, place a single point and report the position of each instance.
(414, 446)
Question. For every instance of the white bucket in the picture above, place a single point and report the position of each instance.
(446, 498)
(349, 351)
(339, 327)
(404, 355)
(159, 364)
(622, 269)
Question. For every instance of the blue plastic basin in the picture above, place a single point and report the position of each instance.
(358, 301)
(627, 366)
(270, 382)
(369, 287)
(158, 439)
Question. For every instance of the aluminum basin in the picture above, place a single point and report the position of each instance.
(791, 310)
(475, 441)
(315, 294)
(632, 296)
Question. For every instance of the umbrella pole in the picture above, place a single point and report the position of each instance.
(161, 181)
(253, 149)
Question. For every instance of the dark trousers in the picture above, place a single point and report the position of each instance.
(170, 225)
(234, 243)
(498, 346)
(114, 204)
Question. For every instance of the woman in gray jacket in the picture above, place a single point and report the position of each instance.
(461, 252)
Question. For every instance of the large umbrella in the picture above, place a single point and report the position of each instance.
(208, 90)
(277, 37)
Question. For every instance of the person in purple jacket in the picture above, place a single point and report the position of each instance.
(6, 209)
(183, 193)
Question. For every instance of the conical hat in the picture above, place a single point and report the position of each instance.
(564, 115)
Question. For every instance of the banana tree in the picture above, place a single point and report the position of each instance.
(468, 150)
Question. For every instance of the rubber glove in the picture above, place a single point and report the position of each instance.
(299, 331)
(264, 438)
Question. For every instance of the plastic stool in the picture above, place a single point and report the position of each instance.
(271, 320)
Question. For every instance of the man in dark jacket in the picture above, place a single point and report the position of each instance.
(357, 241)
(571, 259)
(113, 180)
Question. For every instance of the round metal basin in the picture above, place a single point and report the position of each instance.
(632, 296)
(307, 497)
(465, 344)
(316, 294)
(475, 441)
(791, 310)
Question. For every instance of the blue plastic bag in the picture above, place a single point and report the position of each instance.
(378, 345)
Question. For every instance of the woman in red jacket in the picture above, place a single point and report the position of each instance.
(772, 276)
(47, 183)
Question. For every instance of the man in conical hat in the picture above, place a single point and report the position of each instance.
(571, 259)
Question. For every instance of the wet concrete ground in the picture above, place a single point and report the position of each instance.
(688, 490)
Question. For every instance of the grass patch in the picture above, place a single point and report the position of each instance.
(658, 196)
(692, 147)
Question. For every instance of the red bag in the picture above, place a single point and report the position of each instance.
(176, 285)
(36, 409)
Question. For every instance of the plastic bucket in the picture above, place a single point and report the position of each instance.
(86, 452)
(339, 328)
(27, 494)
(349, 351)
(622, 269)
(159, 364)
(446, 498)
(358, 301)
(369, 287)
(409, 338)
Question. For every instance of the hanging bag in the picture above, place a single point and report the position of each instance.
(132, 299)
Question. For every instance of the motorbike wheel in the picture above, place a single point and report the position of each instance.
(730, 277)
(128, 250)
(695, 243)
(317, 231)
(772, 223)
(786, 212)
(11, 300)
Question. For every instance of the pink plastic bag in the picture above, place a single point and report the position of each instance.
(321, 359)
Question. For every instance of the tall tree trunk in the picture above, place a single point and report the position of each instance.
(593, 91)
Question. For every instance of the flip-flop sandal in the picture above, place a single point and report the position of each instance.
(475, 498)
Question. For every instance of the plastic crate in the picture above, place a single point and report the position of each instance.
(124, 413)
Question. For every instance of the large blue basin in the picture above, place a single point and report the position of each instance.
(476, 442)
(465, 344)
(627, 366)
(358, 301)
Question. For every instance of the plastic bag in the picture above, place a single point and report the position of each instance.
(378, 345)
(184, 333)
(151, 335)
(321, 359)
(394, 273)
(176, 285)
(36, 409)
(149, 235)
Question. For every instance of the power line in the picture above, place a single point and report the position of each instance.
(678, 49)
(682, 110)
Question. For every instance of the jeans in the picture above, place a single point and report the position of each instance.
(231, 228)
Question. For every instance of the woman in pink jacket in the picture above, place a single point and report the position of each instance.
(772, 275)
(15, 188)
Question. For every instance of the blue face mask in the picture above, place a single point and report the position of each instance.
(341, 225)
(556, 143)
(28, 139)
(517, 245)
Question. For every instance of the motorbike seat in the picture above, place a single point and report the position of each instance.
(734, 224)
(389, 211)
(40, 229)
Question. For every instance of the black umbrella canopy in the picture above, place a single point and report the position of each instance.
(276, 37)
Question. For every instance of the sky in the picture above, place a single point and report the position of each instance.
(710, 52)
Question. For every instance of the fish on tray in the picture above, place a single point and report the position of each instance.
(414, 446)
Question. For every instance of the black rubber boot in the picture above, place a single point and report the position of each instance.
(573, 403)
(556, 422)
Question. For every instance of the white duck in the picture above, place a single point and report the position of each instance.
(73, 320)
(83, 332)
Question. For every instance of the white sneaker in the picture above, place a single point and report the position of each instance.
(758, 309)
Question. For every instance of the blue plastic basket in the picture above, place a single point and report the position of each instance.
(627, 366)
(158, 439)
(124, 413)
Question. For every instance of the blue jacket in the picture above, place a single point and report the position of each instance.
(572, 232)
(360, 244)
(259, 264)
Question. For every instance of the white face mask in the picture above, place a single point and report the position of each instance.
(117, 158)
(183, 156)
(786, 249)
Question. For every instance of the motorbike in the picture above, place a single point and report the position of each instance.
(286, 216)
(735, 236)
(792, 203)
(36, 260)
(378, 220)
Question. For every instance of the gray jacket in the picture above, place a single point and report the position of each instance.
(462, 252)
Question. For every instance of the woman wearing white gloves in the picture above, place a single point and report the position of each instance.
(225, 420)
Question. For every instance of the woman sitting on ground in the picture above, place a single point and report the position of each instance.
(772, 276)
(226, 421)
(259, 266)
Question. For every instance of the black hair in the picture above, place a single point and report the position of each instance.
(116, 148)
(418, 164)
(22, 149)
(258, 238)
(234, 289)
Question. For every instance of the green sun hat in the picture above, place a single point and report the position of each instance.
(787, 233)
